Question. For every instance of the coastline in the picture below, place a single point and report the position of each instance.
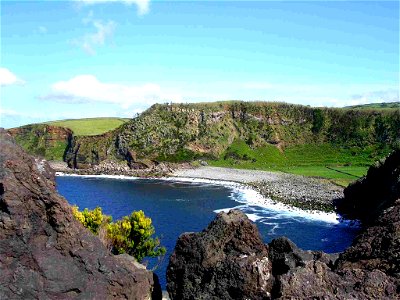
(249, 184)
(294, 190)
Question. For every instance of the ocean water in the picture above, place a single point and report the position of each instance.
(187, 205)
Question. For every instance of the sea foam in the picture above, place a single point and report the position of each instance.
(242, 194)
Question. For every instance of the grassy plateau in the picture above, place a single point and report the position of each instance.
(90, 126)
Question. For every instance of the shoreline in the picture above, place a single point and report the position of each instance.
(249, 195)
(295, 191)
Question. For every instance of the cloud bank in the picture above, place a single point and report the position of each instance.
(87, 88)
(8, 78)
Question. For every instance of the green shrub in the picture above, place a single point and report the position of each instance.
(91, 219)
(132, 234)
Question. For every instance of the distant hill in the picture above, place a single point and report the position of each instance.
(52, 140)
(383, 105)
(336, 143)
(90, 126)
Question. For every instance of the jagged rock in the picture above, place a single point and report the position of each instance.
(228, 260)
(378, 246)
(367, 197)
(285, 256)
(44, 252)
(317, 281)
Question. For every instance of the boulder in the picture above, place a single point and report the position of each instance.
(228, 260)
(44, 252)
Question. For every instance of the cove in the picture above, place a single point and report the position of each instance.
(177, 206)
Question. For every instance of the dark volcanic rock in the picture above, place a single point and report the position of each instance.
(286, 256)
(367, 197)
(228, 260)
(378, 246)
(44, 252)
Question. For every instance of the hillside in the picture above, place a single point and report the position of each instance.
(256, 135)
(52, 140)
(383, 105)
(89, 126)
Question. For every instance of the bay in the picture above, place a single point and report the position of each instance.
(176, 206)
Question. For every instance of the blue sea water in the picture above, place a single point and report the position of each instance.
(176, 207)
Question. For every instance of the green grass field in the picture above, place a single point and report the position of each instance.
(92, 126)
(339, 165)
(384, 105)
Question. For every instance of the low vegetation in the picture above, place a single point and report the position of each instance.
(334, 143)
(90, 126)
(339, 164)
(383, 105)
(131, 235)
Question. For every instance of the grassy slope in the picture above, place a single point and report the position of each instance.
(384, 105)
(91, 126)
(310, 137)
(340, 165)
(199, 131)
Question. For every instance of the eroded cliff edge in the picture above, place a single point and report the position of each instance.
(228, 259)
(44, 252)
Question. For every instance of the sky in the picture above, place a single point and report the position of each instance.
(97, 58)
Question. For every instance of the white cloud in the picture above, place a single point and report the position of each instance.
(142, 5)
(104, 32)
(389, 95)
(8, 78)
(42, 29)
(87, 88)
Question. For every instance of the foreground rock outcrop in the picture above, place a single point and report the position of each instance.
(231, 249)
(366, 198)
(44, 252)
(226, 261)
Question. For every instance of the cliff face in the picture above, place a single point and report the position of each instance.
(87, 151)
(183, 132)
(230, 248)
(50, 142)
(367, 197)
(44, 252)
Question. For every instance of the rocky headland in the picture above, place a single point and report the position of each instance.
(228, 259)
(44, 252)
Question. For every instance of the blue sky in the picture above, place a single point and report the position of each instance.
(74, 59)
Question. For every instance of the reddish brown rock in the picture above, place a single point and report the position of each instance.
(44, 252)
